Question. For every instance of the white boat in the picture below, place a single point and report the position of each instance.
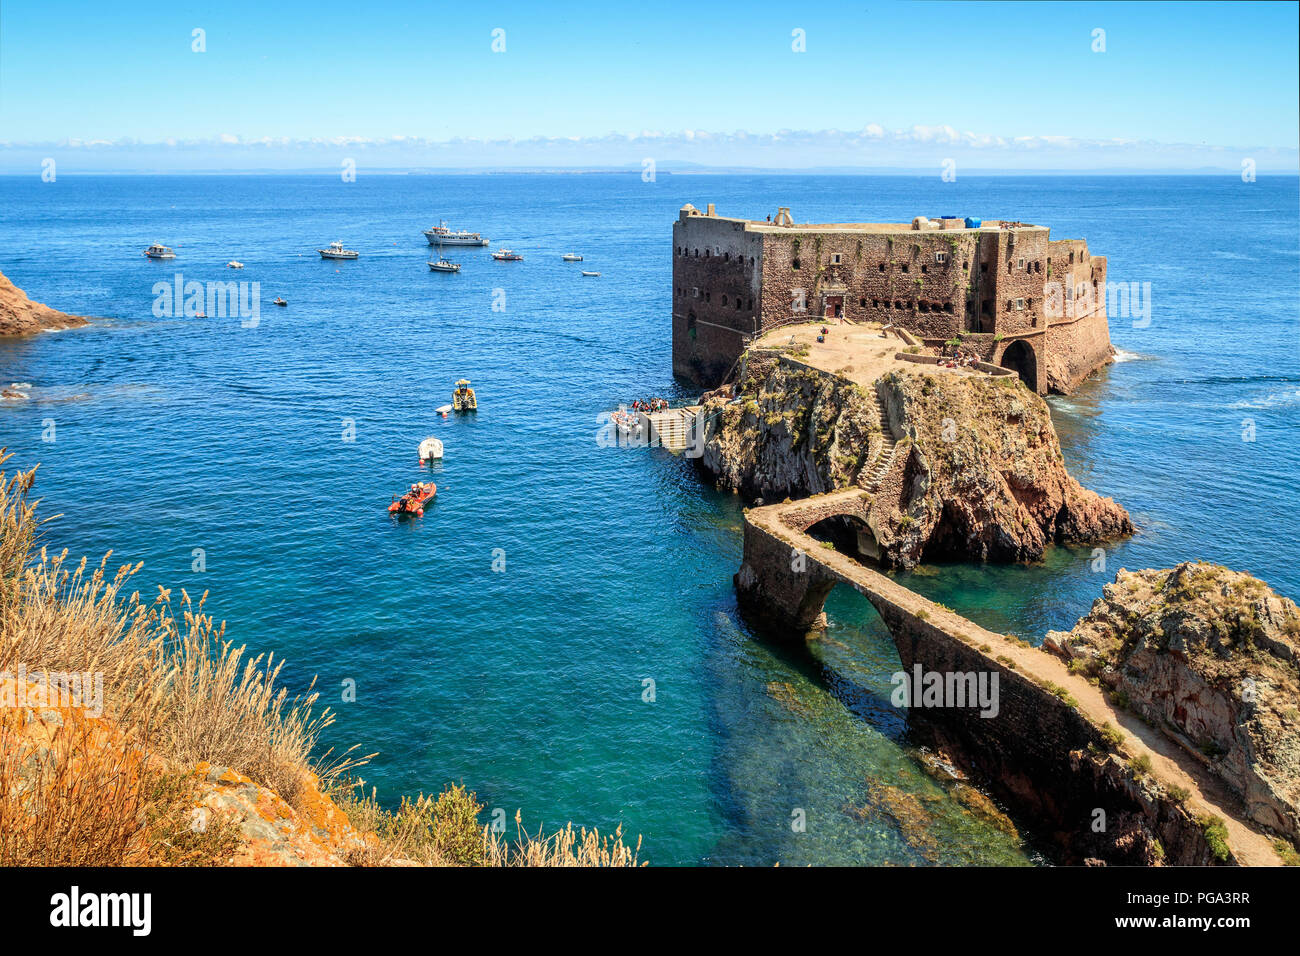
(443, 235)
(159, 251)
(232, 264)
(590, 273)
(571, 257)
(442, 265)
(507, 255)
(336, 251)
(430, 449)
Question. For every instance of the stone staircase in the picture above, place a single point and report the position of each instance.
(885, 457)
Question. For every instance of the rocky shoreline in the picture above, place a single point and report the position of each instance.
(19, 315)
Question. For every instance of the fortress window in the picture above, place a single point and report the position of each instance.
(882, 267)
(707, 295)
(941, 257)
(695, 292)
(862, 303)
(966, 266)
(898, 304)
(726, 257)
(835, 258)
(724, 299)
(1020, 263)
(708, 253)
(904, 266)
(1018, 305)
(875, 303)
(738, 304)
(794, 264)
(925, 268)
(925, 306)
(947, 307)
(697, 253)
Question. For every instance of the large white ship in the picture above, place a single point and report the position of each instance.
(442, 235)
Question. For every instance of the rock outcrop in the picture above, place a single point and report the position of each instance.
(977, 472)
(982, 475)
(19, 315)
(1211, 657)
(49, 751)
(793, 432)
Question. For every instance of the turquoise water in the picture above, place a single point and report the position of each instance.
(527, 683)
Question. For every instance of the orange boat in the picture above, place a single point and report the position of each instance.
(413, 502)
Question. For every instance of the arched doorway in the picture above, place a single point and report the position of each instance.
(1020, 358)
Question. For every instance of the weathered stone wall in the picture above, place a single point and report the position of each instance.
(715, 288)
(732, 279)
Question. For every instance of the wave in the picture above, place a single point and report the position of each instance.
(1276, 399)
(1123, 355)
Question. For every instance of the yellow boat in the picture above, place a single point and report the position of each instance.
(464, 399)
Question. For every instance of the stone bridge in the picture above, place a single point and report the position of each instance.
(1035, 752)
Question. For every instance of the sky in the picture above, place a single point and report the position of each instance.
(456, 84)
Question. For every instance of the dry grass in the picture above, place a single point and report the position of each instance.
(176, 690)
(445, 831)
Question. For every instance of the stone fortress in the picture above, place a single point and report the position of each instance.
(1014, 296)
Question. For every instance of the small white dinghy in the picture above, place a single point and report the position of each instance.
(430, 449)
(234, 264)
(592, 274)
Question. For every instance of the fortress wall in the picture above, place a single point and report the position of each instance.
(715, 295)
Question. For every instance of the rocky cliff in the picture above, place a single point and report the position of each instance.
(791, 432)
(19, 315)
(1212, 658)
(977, 471)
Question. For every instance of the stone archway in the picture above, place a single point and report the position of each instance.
(1020, 358)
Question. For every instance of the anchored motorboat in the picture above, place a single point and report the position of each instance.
(159, 251)
(443, 235)
(232, 264)
(336, 251)
(278, 301)
(430, 449)
(413, 502)
(463, 398)
(507, 255)
(590, 273)
(442, 265)
(571, 257)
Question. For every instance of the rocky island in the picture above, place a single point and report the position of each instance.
(903, 422)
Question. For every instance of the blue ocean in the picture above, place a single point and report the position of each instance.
(559, 630)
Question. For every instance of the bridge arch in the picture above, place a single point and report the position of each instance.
(1021, 359)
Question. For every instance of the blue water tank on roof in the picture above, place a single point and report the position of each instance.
(972, 223)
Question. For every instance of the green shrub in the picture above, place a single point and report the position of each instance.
(1216, 835)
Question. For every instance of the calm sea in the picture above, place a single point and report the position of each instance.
(267, 456)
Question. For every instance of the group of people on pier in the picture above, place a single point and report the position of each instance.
(653, 405)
